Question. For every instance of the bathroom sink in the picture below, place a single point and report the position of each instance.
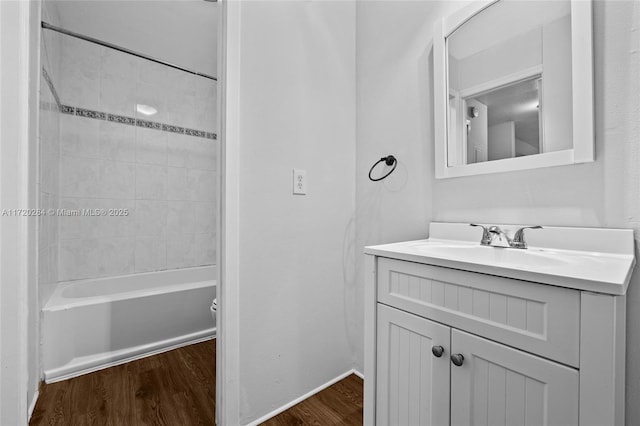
(591, 259)
(496, 255)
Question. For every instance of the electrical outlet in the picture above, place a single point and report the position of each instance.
(299, 182)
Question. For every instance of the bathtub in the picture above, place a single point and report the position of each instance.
(92, 324)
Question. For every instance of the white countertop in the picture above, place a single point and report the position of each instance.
(592, 259)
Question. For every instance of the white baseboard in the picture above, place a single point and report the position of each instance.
(32, 404)
(302, 398)
(357, 373)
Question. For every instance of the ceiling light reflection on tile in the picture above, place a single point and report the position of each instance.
(146, 109)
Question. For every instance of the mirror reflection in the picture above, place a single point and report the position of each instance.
(509, 82)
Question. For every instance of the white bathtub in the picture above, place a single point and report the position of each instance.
(93, 324)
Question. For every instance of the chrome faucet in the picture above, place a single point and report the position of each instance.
(501, 236)
(496, 237)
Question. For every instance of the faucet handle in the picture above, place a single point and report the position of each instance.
(486, 235)
(518, 238)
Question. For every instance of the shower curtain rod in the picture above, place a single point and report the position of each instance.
(48, 26)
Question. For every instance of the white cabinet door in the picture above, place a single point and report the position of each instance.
(412, 384)
(498, 385)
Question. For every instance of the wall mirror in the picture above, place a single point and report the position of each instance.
(513, 85)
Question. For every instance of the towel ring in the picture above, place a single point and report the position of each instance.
(389, 160)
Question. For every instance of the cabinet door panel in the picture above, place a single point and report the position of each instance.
(412, 384)
(499, 385)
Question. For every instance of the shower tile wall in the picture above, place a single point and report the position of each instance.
(166, 180)
(48, 173)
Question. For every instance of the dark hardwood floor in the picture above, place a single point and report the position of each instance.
(172, 388)
(339, 404)
(175, 388)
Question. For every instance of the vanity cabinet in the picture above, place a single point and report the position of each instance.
(531, 353)
(494, 385)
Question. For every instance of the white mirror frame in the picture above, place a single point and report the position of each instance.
(582, 85)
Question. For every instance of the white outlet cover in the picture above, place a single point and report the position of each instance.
(299, 182)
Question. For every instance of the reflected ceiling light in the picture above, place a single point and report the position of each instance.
(145, 109)
(528, 106)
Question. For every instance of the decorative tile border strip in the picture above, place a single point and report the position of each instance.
(148, 124)
(131, 121)
(173, 129)
(121, 119)
(198, 133)
(82, 112)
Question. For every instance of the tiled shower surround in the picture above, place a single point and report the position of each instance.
(48, 172)
(160, 168)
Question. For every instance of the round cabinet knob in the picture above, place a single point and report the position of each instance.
(457, 359)
(437, 351)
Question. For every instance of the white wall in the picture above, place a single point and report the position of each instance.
(18, 286)
(397, 107)
(296, 109)
(395, 116)
(503, 140)
(514, 55)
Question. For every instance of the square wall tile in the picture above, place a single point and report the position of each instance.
(117, 256)
(79, 258)
(49, 174)
(54, 224)
(178, 150)
(95, 257)
(154, 96)
(151, 254)
(53, 263)
(80, 74)
(205, 217)
(203, 185)
(44, 222)
(117, 96)
(43, 266)
(181, 218)
(117, 141)
(96, 226)
(153, 74)
(117, 180)
(178, 184)
(151, 182)
(151, 146)
(79, 177)
(79, 136)
(117, 82)
(181, 251)
(202, 153)
(205, 249)
(151, 218)
(93, 178)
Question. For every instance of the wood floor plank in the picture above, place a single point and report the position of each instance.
(172, 388)
(339, 404)
(176, 388)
